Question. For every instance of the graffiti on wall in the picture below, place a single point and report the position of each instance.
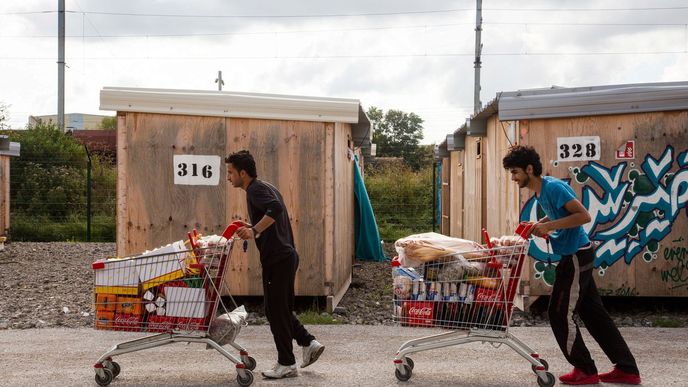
(632, 211)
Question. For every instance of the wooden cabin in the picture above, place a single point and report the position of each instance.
(8, 149)
(624, 151)
(171, 146)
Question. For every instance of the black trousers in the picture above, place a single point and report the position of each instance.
(278, 290)
(575, 292)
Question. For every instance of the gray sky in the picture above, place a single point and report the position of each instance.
(415, 56)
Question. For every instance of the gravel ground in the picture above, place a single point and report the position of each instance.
(49, 285)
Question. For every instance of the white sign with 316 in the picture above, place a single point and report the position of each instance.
(196, 169)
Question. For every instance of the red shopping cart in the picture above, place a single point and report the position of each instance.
(174, 292)
(469, 293)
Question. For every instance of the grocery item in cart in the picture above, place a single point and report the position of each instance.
(225, 328)
(414, 250)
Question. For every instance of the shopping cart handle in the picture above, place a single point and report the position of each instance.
(524, 230)
(231, 229)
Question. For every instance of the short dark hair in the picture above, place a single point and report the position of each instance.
(242, 161)
(520, 156)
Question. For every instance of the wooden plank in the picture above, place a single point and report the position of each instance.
(289, 155)
(445, 205)
(159, 211)
(344, 254)
(456, 194)
(243, 276)
(328, 201)
(501, 192)
(122, 226)
(5, 194)
(472, 190)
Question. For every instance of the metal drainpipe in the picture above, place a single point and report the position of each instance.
(434, 196)
(88, 195)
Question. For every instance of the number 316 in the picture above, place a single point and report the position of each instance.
(206, 170)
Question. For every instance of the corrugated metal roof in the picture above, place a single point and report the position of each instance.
(9, 148)
(477, 124)
(237, 104)
(595, 100)
(441, 150)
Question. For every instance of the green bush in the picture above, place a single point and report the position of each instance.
(401, 199)
(48, 187)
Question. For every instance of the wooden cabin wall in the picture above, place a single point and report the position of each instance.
(456, 194)
(291, 155)
(4, 194)
(661, 148)
(445, 197)
(502, 194)
(152, 210)
(343, 258)
(473, 189)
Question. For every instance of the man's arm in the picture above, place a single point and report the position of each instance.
(579, 216)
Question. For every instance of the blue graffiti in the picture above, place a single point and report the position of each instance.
(629, 217)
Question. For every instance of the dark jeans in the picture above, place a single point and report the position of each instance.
(278, 290)
(575, 292)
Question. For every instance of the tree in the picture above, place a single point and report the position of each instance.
(4, 116)
(108, 123)
(398, 134)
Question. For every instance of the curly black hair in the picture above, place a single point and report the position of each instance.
(243, 161)
(520, 156)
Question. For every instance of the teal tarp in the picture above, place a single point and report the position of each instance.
(368, 245)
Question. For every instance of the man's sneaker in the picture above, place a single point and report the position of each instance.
(617, 376)
(311, 353)
(579, 377)
(281, 371)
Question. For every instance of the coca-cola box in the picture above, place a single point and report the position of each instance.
(161, 323)
(190, 324)
(418, 313)
(127, 322)
(490, 297)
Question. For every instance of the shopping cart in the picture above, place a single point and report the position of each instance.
(471, 294)
(173, 291)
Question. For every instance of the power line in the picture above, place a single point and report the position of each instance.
(370, 56)
(518, 9)
(385, 28)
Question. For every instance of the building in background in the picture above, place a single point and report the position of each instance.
(73, 121)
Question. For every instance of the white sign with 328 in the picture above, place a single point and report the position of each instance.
(578, 148)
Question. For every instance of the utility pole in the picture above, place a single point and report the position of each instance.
(60, 64)
(219, 80)
(478, 49)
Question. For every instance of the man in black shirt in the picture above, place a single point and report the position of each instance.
(271, 230)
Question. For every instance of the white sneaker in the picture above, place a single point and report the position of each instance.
(280, 371)
(311, 353)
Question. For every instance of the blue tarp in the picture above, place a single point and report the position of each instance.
(367, 236)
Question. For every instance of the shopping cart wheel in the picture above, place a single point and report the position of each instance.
(544, 364)
(250, 363)
(105, 380)
(246, 381)
(115, 368)
(546, 383)
(403, 376)
(409, 361)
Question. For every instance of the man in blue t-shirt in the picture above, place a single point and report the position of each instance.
(574, 290)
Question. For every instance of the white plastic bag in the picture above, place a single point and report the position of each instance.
(414, 250)
(225, 328)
